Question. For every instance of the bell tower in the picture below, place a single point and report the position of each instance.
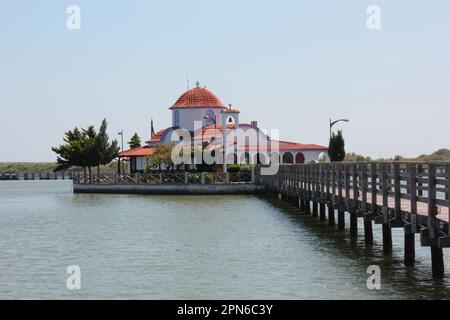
(228, 116)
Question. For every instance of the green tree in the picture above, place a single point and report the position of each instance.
(356, 157)
(162, 156)
(86, 148)
(72, 153)
(135, 141)
(337, 147)
(107, 151)
(439, 155)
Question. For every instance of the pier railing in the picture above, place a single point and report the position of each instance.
(40, 175)
(409, 195)
(157, 178)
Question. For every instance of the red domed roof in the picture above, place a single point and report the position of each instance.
(198, 98)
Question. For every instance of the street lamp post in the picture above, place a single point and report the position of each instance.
(332, 123)
(121, 138)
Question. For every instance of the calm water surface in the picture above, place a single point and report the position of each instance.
(189, 247)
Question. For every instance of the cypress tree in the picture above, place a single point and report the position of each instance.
(337, 147)
(135, 141)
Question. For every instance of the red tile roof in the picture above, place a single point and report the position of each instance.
(229, 110)
(211, 131)
(157, 137)
(137, 152)
(198, 98)
(286, 145)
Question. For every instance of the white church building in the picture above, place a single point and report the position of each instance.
(205, 117)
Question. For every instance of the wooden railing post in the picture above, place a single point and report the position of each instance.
(253, 180)
(397, 195)
(420, 184)
(323, 195)
(203, 178)
(386, 229)
(331, 217)
(314, 195)
(308, 189)
(354, 202)
(340, 200)
(447, 196)
(411, 228)
(302, 189)
(431, 182)
(368, 231)
(374, 190)
(437, 257)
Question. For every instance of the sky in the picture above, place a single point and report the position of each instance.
(290, 65)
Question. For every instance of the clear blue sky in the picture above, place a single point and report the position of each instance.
(288, 64)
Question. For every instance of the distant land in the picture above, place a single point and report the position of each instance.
(30, 167)
(22, 167)
(439, 155)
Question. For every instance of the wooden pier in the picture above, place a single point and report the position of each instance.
(169, 183)
(37, 176)
(409, 195)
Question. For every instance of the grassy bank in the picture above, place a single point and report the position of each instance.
(439, 155)
(30, 167)
(14, 167)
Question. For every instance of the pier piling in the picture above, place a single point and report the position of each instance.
(410, 250)
(368, 231)
(322, 213)
(393, 194)
(341, 218)
(353, 223)
(331, 221)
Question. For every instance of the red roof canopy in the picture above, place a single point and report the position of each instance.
(157, 137)
(137, 152)
(198, 98)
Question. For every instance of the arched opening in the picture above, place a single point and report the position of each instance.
(322, 157)
(299, 158)
(261, 159)
(230, 120)
(245, 158)
(288, 157)
(274, 156)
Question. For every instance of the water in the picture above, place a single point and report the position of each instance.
(189, 247)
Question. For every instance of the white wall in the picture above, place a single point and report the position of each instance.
(189, 115)
(310, 155)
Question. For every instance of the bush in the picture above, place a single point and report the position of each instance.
(233, 168)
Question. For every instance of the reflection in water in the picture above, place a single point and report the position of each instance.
(197, 247)
(410, 282)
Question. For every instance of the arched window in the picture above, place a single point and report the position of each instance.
(322, 157)
(261, 159)
(288, 158)
(176, 118)
(274, 158)
(299, 158)
(210, 117)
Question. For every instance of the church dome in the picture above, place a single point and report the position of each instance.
(198, 98)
